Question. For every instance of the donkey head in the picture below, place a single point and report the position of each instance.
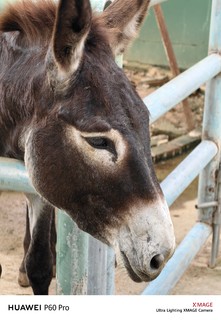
(90, 153)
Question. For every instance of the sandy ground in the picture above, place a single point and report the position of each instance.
(198, 279)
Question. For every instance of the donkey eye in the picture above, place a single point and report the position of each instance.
(101, 143)
(98, 142)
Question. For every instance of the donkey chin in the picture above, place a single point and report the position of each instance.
(146, 242)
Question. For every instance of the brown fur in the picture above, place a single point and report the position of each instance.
(34, 19)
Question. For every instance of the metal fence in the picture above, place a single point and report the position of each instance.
(86, 266)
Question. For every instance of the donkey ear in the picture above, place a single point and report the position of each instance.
(72, 24)
(123, 18)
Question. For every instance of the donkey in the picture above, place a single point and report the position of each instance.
(71, 114)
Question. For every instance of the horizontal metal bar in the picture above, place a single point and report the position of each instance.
(179, 179)
(173, 92)
(13, 176)
(206, 205)
(180, 261)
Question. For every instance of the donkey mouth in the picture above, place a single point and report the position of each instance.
(136, 275)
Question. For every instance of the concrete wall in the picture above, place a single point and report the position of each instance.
(188, 25)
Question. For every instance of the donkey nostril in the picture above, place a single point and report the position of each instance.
(157, 261)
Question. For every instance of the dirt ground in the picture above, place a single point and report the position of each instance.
(199, 279)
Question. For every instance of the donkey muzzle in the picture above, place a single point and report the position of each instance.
(147, 241)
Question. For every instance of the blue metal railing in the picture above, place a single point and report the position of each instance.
(203, 160)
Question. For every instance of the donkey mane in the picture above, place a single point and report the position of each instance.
(33, 19)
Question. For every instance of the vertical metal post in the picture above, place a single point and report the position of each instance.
(208, 181)
(100, 268)
(110, 286)
(72, 257)
(97, 268)
(216, 226)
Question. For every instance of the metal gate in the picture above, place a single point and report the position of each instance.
(86, 266)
